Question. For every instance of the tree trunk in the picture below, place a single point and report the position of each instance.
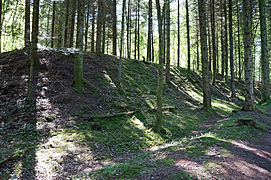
(103, 22)
(222, 39)
(72, 23)
(0, 24)
(178, 54)
(78, 64)
(138, 29)
(99, 27)
(149, 49)
(204, 55)
(53, 25)
(231, 51)
(168, 41)
(198, 58)
(121, 39)
(27, 24)
(67, 23)
(226, 42)
(213, 39)
(249, 92)
(239, 44)
(128, 30)
(159, 113)
(188, 37)
(114, 27)
(87, 26)
(34, 59)
(264, 53)
(136, 33)
(93, 29)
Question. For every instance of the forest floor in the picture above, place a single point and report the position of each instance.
(105, 132)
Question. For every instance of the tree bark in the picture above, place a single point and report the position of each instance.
(78, 64)
(103, 22)
(87, 26)
(264, 53)
(34, 59)
(231, 51)
(204, 55)
(159, 114)
(27, 24)
(128, 30)
(67, 23)
(247, 28)
(99, 27)
(239, 44)
(72, 23)
(121, 39)
(149, 46)
(1, 24)
(168, 41)
(188, 37)
(226, 42)
(93, 29)
(138, 29)
(178, 54)
(213, 39)
(115, 27)
(53, 25)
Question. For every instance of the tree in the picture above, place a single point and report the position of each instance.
(204, 55)
(188, 37)
(53, 25)
(72, 23)
(99, 27)
(114, 27)
(231, 51)
(149, 46)
(93, 29)
(0, 24)
(78, 63)
(159, 114)
(247, 28)
(27, 24)
(178, 58)
(239, 41)
(34, 59)
(121, 39)
(67, 23)
(87, 25)
(213, 39)
(168, 41)
(265, 90)
(226, 41)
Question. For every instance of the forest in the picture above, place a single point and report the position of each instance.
(135, 89)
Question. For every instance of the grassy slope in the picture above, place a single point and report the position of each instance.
(68, 149)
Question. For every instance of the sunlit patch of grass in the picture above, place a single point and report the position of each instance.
(181, 176)
(223, 107)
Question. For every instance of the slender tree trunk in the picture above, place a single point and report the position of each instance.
(121, 39)
(264, 53)
(231, 51)
(128, 30)
(188, 37)
(159, 113)
(87, 26)
(34, 59)
(67, 23)
(213, 39)
(164, 32)
(27, 24)
(93, 30)
(249, 92)
(239, 44)
(99, 27)
(178, 58)
(53, 25)
(78, 63)
(135, 50)
(1, 24)
(114, 27)
(197, 25)
(222, 39)
(204, 55)
(226, 42)
(149, 32)
(168, 41)
(138, 29)
(103, 22)
(72, 23)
